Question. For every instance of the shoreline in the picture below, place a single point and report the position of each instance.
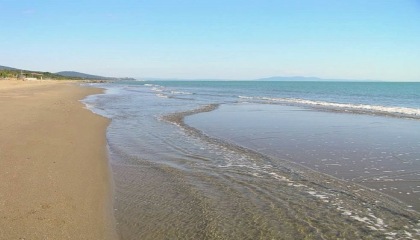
(55, 179)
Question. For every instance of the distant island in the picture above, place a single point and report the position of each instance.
(267, 79)
(9, 72)
(310, 79)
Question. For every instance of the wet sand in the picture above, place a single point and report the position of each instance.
(54, 173)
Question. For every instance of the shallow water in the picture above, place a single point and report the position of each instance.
(186, 180)
(378, 152)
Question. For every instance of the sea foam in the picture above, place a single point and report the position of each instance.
(389, 110)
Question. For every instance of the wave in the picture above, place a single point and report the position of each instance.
(396, 111)
(181, 93)
(157, 89)
(162, 95)
(163, 91)
(348, 107)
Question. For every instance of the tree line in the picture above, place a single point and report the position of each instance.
(38, 75)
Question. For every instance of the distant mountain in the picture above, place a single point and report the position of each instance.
(79, 75)
(310, 79)
(9, 72)
(294, 79)
(88, 76)
(7, 68)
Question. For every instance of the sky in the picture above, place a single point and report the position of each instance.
(215, 39)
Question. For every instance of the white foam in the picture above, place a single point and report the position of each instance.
(156, 89)
(343, 106)
(181, 93)
(245, 97)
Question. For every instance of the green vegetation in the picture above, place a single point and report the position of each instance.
(8, 73)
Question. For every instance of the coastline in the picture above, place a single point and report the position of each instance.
(55, 181)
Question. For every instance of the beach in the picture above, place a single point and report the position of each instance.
(55, 181)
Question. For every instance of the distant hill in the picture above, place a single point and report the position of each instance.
(294, 79)
(310, 79)
(7, 68)
(88, 76)
(9, 72)
(79, 75)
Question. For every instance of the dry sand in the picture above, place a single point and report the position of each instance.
(54, 173)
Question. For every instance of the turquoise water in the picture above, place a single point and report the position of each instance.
(385, 98)
(371, 93)
(263, 160)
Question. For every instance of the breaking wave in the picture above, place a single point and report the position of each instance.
(346, 107)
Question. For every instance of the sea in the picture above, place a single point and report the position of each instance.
(263, 159)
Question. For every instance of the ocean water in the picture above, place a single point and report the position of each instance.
(263, 160)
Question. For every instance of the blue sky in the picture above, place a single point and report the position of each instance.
(230, 39)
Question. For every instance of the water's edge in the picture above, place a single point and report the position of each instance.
(372, 202)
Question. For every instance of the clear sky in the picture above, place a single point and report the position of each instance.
(226, 39)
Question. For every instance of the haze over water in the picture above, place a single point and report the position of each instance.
(261, 160)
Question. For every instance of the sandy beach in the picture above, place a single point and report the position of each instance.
(54, 174)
